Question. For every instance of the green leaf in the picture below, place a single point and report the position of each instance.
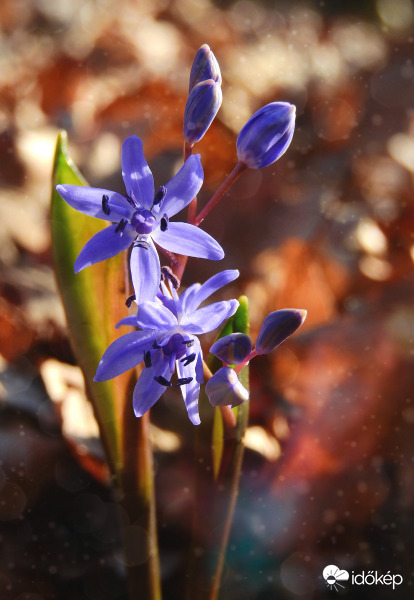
(94, 301)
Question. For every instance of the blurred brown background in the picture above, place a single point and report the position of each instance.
(329, 469)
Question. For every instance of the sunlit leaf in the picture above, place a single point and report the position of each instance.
(94, 301)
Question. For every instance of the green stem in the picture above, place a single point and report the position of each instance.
(138, 499)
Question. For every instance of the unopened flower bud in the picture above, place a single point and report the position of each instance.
(278, 326)
(266, 135)
(232, 349)
(205, 66)
(202, 106)
(225, 389)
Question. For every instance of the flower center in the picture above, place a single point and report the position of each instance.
(143, 221)
(175, 345)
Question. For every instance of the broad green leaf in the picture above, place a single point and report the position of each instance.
(94, 301)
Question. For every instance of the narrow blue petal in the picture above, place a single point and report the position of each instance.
(124, 354)
(210, 286)
(131, 320)
(145, 272)
(138, 179)
(104, 244)
(208, 318)
(189, 240)
(88, 200)
(184, 186)
(147, 391)
(186, 297)
(154, 315)
(191, 391)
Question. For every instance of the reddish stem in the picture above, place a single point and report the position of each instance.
(225, 186)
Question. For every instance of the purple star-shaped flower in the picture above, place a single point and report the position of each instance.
(167, 342)
(142, 217)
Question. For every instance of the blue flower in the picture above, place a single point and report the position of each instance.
(142, 217)
(266, 135)
(224, 387)
(205, 66)
(202, 106)
(167, 342)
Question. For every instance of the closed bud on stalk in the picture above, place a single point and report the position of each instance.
(232, 349)
(205, 66)
(266, 135)
(202, 106)
(225, 389)
(278, 326)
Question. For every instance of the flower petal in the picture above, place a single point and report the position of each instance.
(184, 186)
(88, 200)
(131, 320)
(189, 240)
(208, 318)
(187, 295)
(210, 286)
(191, 391)
(154, 315)
(138, 179)
(145, 271)
(124, 354)
(104, 244)
(147, 391)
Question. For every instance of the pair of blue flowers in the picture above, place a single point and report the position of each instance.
(169, 324)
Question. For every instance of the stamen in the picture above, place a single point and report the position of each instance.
(167, 273)
(105, 207)
(130, 200)
(183, 381)
(164, 222)
(141, 244)
(188, 343)
(186, 360)
(160, 379)
(121, 226)
(159, 195)
(155, 346)
(130, 300)
(147, 359)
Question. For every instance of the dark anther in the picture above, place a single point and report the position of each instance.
(130, 300)
(141, 244)
(159, 195)
(184, 381)
(105, 206)
(186, 360)
(147, 359)
(121, 226)
(164, 223)
(155, 346)
(188, 343)
(130, 200)
(160, 379)
(168, 274)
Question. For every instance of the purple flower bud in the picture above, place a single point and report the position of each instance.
(225, 389)
(232, 349)
(205, 66)
(278, 326)
(201, 108)
(266, 135)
